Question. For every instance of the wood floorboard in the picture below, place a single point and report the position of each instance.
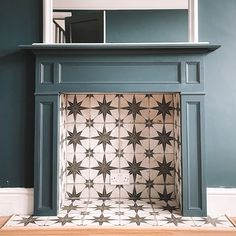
(118, 232)
(3, 220)
(233, 220)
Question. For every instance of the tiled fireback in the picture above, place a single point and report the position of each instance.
(138, 134)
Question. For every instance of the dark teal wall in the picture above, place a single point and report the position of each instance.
(20, 23)
(218, 25)
(147, 26)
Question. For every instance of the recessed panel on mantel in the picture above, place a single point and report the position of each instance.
(120, 72)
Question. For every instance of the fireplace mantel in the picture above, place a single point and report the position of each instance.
(166, 48)
(146, 68)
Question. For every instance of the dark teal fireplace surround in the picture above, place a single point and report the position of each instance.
(119, 68)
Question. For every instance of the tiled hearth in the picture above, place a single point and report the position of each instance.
(113, 212)
(134, 133)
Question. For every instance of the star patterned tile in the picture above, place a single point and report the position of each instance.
(118, 212)
(130, 133)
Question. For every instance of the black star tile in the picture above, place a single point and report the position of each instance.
(65, 219)
(74, 194)
(163, 108)
(75, 138)
(89, 123)
(174, 220)
(164, 168)
(148, 123)
(179, 176)
(178, 141)
(178, 109)
(89, 152)
(134, 138)
(104, 138)
(120, 213)
(84, 213)
(104, 108)
(119, 123)
(148, 95)
(75, 108)
(134, 195)
(136, 207)
(74, 168)
(28, 220)
(164, 138)
(119, 153)
(137, 219)
(149, 184)
(164, 196)
(134, 108)
(104, 168)
(89, 183)
(134, 168)
(101, 219)
(103, 207)
(119, 95)
(169, 208)
(69, 208)
(149, 153)
(104, 195)
(212, 220)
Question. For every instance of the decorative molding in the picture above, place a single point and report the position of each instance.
(192, 72)
(194, 184)
(221, 201)
(46, 152)
(133, 72)
(193, 21)
(119, 5)
(16, 201)
(46, 73)
(47, 21)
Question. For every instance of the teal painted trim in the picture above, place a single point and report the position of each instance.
(124, 72)
(114, 48)
(193, 156)
(46, 154)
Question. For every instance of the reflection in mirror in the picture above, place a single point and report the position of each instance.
(88, 21)
(59, 26)
(78, 26)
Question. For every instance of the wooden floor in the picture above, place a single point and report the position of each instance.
(233, 220)
(115, 231)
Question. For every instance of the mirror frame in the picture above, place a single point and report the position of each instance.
(190, 5)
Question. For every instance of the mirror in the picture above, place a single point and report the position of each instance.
(79, 21)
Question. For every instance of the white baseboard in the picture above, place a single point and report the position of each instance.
(221, 201)
(20, 201)
(16, 201)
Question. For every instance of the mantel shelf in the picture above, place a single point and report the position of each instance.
(168, 48)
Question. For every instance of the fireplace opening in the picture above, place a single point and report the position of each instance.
(118, 153)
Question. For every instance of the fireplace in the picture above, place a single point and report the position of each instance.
(132, 109)
(135, 135)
